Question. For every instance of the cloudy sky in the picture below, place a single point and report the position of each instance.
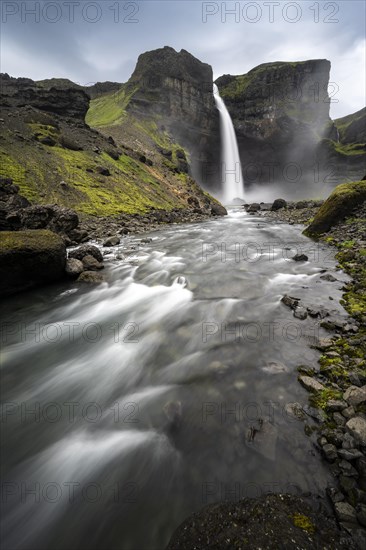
(96, 41)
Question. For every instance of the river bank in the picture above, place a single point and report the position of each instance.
(338, 382)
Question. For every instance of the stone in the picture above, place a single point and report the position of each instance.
(348, 442)
(361, 514)
(112, 241)
(339, 419)
(345, 512)
(349, 454)
(74, 267)
(311, 384)
(355, 395)
(357, 427)
(290, 301)
(30, 258)
(335, 405)
(300, 258)
(254, 207)
(218, 210)
(85, 250)
(91, 264)
(347, 468)
(278, 204)
(328, 277)
(348, 412)
(300, 313)
(90, 277)
(330, 452)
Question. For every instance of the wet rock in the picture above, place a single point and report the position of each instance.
(361, 514)
(347, 468)
(218, 210)
(311, 384)
(295, 410)
(85, 250)
(350, 454)
(345, 512)
(300, 258)
(112, 241)
(274, 367)
(91, 264)
(290, 301)
(330, 452)
(74, 267)
(254, 207)
(328, 277)
(355, 395)
(300, 313)
(278, 204)
(335, 405)
(357, 427)
(90, 277)
(317, 414)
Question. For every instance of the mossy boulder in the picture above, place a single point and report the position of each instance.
(30, 258)
(337, 207)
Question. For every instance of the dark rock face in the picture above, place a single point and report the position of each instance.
(280, 112)
(69, 102)
(270, 522)
(179, 89)
(30, 258)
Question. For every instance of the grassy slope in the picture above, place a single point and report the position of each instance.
(132, 187)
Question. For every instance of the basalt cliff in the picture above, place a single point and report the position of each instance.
(286, 138)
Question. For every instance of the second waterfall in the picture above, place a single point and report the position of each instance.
(231, 175)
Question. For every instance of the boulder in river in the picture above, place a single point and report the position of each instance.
(90, 277)
(74, 267)
(30, 258)
(278, 204)
(218, 210)
(86, 250)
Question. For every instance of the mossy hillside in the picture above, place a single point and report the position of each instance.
(338, 206)
(344, 125)
(344, 150)
(110, 109)
(132, 187)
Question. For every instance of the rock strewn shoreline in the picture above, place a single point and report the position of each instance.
(338, 389)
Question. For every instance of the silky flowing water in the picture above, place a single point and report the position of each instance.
(129, 405)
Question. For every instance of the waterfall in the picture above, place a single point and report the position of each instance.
(231, 174)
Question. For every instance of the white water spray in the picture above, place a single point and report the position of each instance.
(231, 174)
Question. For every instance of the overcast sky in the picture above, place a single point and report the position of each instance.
(96, 41)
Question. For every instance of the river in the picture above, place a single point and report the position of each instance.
(129, 405)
